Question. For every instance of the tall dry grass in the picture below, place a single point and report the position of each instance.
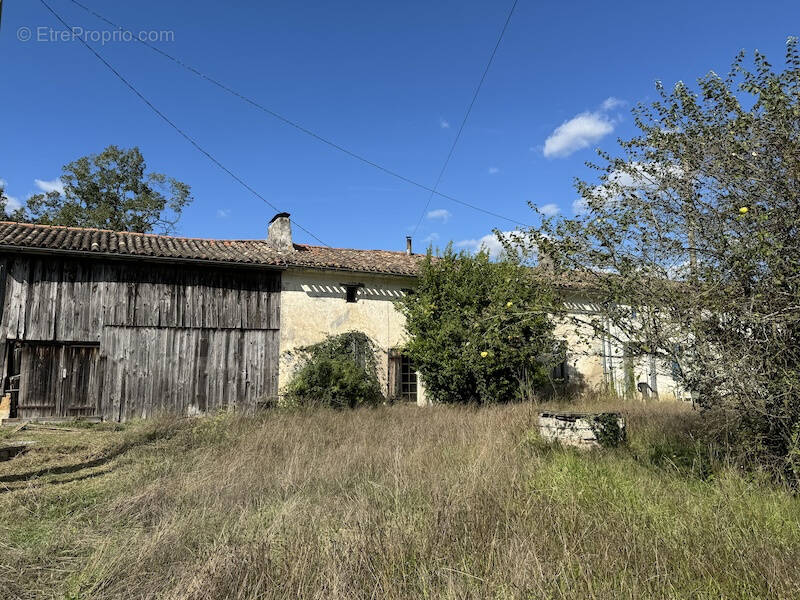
(394, 502)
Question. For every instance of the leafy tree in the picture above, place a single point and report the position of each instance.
(690, 241)
(17, 214)
(112, 190)
(340, 371)
(479, 331)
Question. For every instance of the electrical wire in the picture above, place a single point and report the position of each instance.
(172, 124)
(303, 129)
(466, 116)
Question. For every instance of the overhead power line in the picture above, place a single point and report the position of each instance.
(172, 124)
(466, 116)
(295, 124)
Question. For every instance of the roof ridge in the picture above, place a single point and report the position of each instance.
(400, 252)
(139, 233)
(189, 238)
(90, 240)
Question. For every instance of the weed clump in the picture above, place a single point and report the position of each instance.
(339, 372)
(607, 430)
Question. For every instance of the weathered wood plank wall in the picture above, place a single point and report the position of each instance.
(69, 300)
(172, 337)
(59, 381)
(147, 370)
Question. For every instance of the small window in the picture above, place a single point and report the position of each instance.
(352, 293)
(561, 371)
(408, 379)
(402, 377)
(675, 368)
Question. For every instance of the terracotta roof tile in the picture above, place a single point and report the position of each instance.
(243, 252)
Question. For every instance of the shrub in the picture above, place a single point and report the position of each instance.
(479, 330)
(607, 430)
(340, 371)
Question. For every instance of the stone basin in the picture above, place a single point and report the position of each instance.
(583, 429)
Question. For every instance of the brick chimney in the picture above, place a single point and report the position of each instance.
(545, 261)
(279, 234)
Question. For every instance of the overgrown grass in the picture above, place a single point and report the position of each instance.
(392, 502)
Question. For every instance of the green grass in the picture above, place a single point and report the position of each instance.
(394, 502)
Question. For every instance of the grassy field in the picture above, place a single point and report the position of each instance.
(395, 502)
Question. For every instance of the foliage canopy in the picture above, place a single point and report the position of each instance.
(691, 239)
(479, 331)
(113, 190)
(9, 213)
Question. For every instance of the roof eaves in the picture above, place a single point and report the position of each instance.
(139, 257)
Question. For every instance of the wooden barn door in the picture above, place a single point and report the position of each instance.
(39, 381)
(79, 381)
(58, 381)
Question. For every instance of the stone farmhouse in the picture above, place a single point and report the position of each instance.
(123, 325)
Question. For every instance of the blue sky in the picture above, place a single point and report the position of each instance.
(388, 80)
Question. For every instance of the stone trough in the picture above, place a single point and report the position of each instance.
(583, 430)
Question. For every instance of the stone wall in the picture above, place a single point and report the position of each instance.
(314, 306)
(580, 430)
(598, 362)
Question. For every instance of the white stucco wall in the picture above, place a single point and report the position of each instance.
(599, 361)
(313, 306)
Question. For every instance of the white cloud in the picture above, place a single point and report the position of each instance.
(50, 186)
(493, 170)
(679, 271)
(223, 213)
(611, 103)
(615, 184)
(488, 243)
(577, 133)
(637, 176)
(440, 213)
(430, 238)
(444, 124)
(582, 130)
(580, 206)
(633, 177)
(550, 210)
(12, 203)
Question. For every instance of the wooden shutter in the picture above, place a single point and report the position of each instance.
(58, 381)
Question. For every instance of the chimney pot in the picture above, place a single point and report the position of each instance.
(408, 245)
(279, 234)
(546, 262)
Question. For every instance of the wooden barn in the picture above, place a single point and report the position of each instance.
(119, 325)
